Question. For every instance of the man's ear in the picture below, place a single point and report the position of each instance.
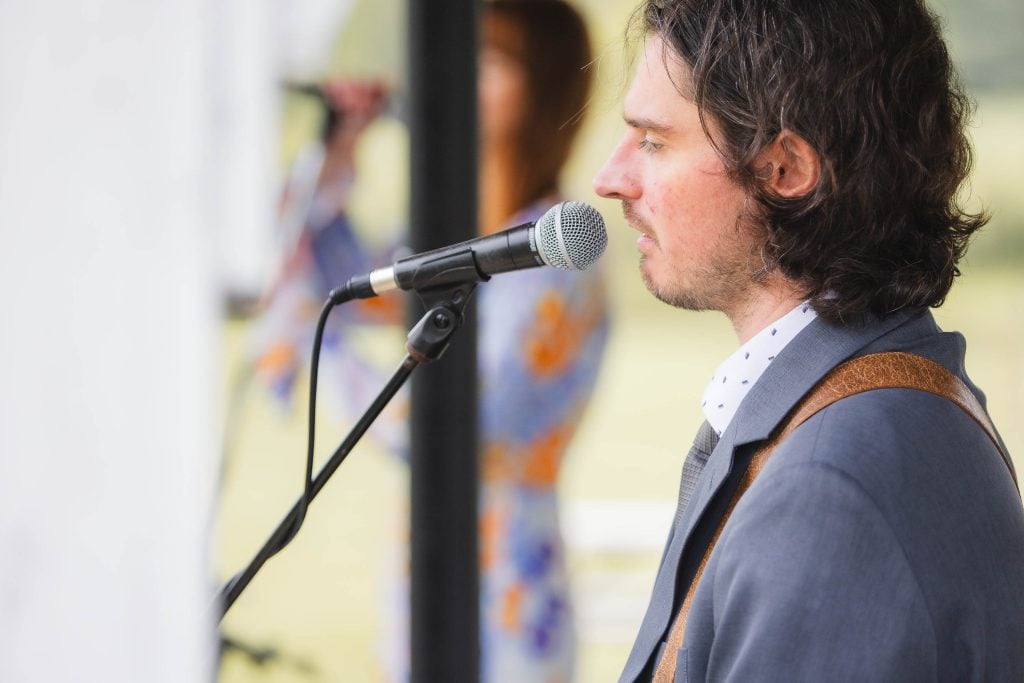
(791, 166)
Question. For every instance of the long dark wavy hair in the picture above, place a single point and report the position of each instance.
(870, 85)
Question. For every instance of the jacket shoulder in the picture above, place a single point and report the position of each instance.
(901, 487)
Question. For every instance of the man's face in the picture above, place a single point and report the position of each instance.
(696, 240)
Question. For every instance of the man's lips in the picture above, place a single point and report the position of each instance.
(647, 239)
(645, 243)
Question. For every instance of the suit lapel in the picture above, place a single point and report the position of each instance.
(805, 360)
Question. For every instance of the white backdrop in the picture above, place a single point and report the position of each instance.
(137, 153)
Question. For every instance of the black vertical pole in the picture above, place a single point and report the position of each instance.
(444, 575)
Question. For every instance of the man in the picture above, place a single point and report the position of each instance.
(794, 164)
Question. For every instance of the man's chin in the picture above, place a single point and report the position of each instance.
(676, 297)
(653, 286)
(648, 279)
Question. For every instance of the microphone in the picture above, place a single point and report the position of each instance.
(395, 105)
(308, 89)
(570, 236)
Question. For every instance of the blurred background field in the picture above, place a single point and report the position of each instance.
(317, 604)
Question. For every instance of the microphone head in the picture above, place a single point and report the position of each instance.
(571, 236)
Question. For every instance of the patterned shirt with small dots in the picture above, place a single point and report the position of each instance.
(740, 371)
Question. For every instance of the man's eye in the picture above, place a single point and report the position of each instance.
(648, 145)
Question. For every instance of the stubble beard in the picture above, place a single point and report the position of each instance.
(711, 289)
(735, 268)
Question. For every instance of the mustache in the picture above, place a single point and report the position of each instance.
(635, 221)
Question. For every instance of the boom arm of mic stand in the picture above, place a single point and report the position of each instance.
(427, 341)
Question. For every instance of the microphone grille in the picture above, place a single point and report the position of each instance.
(571, 236)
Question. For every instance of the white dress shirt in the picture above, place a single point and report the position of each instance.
(738, 373)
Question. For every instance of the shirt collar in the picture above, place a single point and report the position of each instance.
(740, 371)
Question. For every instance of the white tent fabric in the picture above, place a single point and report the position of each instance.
(137, 149)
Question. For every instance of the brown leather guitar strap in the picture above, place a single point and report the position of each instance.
(892, 370)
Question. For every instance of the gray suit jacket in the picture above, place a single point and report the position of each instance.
(884, 541)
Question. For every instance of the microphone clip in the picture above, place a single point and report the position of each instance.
(446, 307)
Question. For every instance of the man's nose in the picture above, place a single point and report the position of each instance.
(614, 180)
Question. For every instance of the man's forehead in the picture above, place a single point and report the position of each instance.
(661, 60)
(661, 78)
(659, 67)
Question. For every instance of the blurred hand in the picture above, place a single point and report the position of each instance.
(358, 102)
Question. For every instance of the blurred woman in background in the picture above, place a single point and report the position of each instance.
(542, 332)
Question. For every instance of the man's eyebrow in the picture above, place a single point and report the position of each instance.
(648, 124)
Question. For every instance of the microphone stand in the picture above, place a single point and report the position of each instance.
(426, 342)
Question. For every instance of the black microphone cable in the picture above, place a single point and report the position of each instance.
(335, 298)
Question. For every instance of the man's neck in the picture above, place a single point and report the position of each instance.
(768, 302)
